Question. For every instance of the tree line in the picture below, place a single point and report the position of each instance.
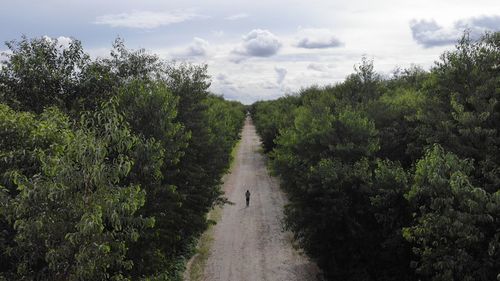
(395, 177)
(108, 166)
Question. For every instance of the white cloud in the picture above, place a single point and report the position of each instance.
(62, 41)
(379, 29)
(237, 16)
(317, 38)
(430, 34)
(281, 74)
(484, 22)
(259, 43)
(199, 48)
(146, 19)
(222, 79)
(218, 33)
(316, 67)
(236, 58)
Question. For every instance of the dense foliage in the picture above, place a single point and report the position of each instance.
(108, 166)
(395, 178)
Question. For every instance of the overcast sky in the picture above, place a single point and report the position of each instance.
(260, 49)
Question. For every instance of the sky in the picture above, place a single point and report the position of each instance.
(259, 50)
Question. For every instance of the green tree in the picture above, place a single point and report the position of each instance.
(199, 188)
(463, 112)
(272, 116)
(23, 137)
(75, 218)
(41, 72)
(392, 212)
(150, 109)
(455, 233)
(94, 150)
(363, 202)
(323, 161)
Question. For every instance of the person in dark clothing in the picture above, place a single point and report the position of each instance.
(247, 195)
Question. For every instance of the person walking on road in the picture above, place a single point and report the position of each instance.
(247, 195)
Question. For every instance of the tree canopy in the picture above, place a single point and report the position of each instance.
(395, 178)
(108, 166)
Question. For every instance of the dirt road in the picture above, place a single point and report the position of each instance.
(249, 243)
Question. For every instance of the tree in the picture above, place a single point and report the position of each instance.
(108, 166)
(373, 193)
(271, 117)
(455, 233)
(74, 219)
(199, 188)
(323, 161)
(23, 137)
(392, 212)
(41, 72)
(464, 112)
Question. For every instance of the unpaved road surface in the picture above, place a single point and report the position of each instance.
(249, 243)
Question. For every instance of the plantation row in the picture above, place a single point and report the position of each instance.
(395, 178)
(107, 166)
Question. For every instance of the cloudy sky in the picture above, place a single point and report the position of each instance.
(260, 49)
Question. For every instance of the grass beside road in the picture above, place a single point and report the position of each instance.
(199, 261)
(233, 154)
